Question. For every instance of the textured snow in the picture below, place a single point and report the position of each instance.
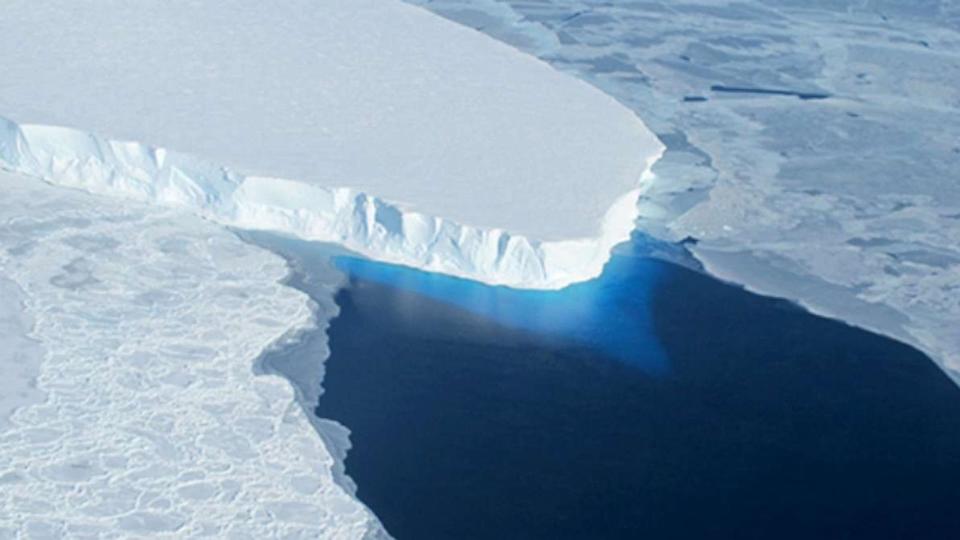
(403, 136)
(849, 204)
(154, 422)
(19, 355)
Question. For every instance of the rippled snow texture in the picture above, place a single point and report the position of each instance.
(155, 423)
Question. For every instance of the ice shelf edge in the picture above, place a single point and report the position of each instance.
(358, 221)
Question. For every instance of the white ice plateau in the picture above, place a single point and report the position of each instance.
(370, 123)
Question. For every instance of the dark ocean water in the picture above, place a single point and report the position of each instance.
(654, 402)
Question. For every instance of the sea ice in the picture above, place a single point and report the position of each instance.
(155, 422)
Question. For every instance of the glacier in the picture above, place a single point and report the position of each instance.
(369, 123)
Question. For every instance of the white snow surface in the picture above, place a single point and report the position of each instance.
(19, 355)
(402, 135)
(154, 422)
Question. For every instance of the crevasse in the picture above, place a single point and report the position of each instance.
(358, 221)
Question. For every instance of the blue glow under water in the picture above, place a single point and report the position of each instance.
(483, 412)
(610, 315)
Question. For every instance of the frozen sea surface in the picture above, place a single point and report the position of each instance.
(155, 422)
(19, 354)
(848, 202)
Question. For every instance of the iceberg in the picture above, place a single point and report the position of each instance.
(370, 123)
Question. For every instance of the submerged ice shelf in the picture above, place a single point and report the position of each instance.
(370, 123)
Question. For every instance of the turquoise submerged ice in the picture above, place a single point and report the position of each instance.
(584, 314)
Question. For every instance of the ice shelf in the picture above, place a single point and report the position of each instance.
(371, 123)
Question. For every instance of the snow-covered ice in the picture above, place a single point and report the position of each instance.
(153, 422)
(849, 204)
(402, 135)
(19, 355)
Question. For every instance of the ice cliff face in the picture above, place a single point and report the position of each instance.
(359, 221)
